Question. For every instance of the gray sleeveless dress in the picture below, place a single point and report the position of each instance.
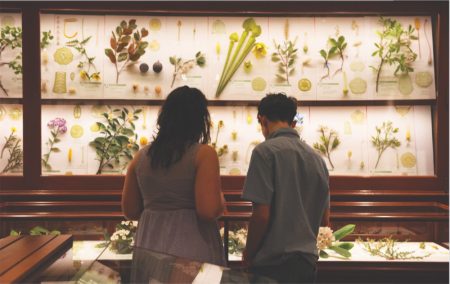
(169, 223)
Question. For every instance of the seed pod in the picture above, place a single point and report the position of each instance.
(157, 67)
(143, 68)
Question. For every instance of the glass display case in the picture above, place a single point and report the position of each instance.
(371, 84)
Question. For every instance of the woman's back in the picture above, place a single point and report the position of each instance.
(168, 189)
(169, 222)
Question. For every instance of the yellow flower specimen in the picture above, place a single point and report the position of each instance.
(143, 141)
(260, 50)
(83, 75)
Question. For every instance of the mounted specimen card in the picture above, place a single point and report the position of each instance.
(187, 60)
(71, 56)
(341, 142)
(290, 48)
(402, 58)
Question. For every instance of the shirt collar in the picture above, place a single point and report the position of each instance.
(286, 131)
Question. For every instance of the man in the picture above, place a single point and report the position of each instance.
(287, 182)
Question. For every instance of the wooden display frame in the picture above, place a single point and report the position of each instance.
(32, 185)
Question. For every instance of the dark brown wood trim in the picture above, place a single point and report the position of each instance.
(151, 102)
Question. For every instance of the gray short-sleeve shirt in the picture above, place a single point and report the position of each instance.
(290, 176)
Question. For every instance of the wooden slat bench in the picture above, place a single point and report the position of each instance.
(22, 256)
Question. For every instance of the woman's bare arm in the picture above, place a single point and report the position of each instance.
(132, 203)
(209, 201)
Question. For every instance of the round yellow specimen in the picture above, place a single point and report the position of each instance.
(259, 84)
(63, 56)
(358, 86)
(408, 160)
(76, 131)
(424, 79)
(154, 45)
(402, 110)
(304, 85)
(357, 117)
(155, 24)
(95, 127)
(218, 27)
(15, 113)
(357, 66)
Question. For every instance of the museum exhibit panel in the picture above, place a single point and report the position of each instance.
(81, 87)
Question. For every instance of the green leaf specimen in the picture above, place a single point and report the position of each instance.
(11, 37)
(46, 38)
(126, 46)
(286, 57)
(182, 67)
(384, 139)
(117, 140)
(231, 66)
(329, 141)
(394, 47)
(337, 47)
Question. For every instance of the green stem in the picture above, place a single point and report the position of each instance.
(234, 68)
(230, 48)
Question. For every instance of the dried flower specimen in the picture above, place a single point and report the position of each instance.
(57, 128)
(12, 145)
(182, 67)
(388, 249)
(384, 139)
(329, 141)
(88, 62)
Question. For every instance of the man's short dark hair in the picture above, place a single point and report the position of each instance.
(278, 107)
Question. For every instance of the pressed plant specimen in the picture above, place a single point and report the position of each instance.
(394, 48)
(340, 45)
(327, 55)
(46, 38)
(183, 66)
(87, 62)
(118, 138)
(219, 150)
(388, 248)
(11, 38)
(126, 45)
(286, 57)
(232, 63)
(337, 47)
(329, 141)
(12, 145)
(384, 139)
(57, 127)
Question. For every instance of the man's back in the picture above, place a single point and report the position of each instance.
(287, 174)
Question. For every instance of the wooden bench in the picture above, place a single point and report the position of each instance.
(23, 256)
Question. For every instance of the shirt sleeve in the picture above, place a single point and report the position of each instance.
(259, 186)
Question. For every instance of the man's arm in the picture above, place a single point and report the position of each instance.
(257, 228)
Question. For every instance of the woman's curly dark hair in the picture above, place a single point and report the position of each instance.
(182, 121)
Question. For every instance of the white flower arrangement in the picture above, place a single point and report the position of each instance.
(329, 240)
(122, 240)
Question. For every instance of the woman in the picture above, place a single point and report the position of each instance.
(173, 185)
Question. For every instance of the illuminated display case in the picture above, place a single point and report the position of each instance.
(76, 78)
